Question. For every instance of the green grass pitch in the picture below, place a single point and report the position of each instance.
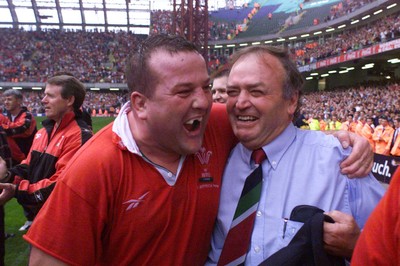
(17, 249)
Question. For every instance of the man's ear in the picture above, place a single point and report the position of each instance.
(293, 103)
(71, 101)
(139, 104)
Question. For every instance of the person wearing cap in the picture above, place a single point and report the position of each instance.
(382, 136)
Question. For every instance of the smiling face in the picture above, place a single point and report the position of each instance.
(219, 89)
(176, 113)
(257, 109)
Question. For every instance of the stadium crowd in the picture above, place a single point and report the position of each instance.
(345, 108)
(350, 40)
(99, 56)
(89, 56)
(346, 7)
(220, 29)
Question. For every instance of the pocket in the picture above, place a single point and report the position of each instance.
(288, 230)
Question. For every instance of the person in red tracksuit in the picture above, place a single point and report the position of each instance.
(20, 128)
(63, 133)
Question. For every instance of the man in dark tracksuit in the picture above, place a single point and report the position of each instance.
(63, 133)
(20, 127)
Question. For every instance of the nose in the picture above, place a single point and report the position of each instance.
(242, 100)
(202, 99)
(217, 96)
(44, 99)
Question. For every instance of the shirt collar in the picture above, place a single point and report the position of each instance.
(122, 130)
(275, 149)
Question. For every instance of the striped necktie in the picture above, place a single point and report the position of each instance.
(238, 239)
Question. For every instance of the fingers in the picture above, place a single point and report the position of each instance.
(344, 137)
(7, 193)
(340, 237)
(361, 159)
(339, 216)
(4, 185)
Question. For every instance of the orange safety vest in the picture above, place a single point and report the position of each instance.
(382, 137)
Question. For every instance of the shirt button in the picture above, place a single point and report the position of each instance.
(259, 213)
(257, 249)
(169, 174)
(273, 163)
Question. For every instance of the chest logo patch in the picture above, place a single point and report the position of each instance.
(133, 203)
(204, 156)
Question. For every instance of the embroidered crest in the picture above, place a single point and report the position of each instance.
(204, 156)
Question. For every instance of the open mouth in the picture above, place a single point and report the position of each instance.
(193, 124)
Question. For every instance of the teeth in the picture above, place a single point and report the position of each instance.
(191, 122)
(246, 118)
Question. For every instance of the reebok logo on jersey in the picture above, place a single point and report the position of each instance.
(133, 203)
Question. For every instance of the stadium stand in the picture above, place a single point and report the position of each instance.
(285, 16)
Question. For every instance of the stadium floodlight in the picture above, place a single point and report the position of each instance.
(308, 78)
(378, 11)
(281, 40)
(255, 43)
(1, 88)
(388, 77)
(350, 68)
(354, 21)
(114, 89)
(37, 88)
(332, 71)
(324, 75)
(231, 45)
(270, 41)
(17, 88)
(305, 35)
(365, 17)
(218, 46)
(243, 44)
(368, 66)
(341, 26)
(94, 89)
(343, 71)
(392, 5)
(314, 74)
(330, 29)
(293, 38)
(394, 60)
(317, 32)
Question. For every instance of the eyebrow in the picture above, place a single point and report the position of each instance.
(253, 85)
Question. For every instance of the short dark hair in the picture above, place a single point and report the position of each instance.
(11, 92)
(71, 86)
(138, 74)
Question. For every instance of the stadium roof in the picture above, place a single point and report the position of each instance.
(133, 15)
(126, 15)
